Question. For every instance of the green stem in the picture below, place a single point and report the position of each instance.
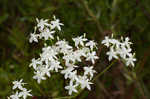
(101, 73)
(78, 93)
(67, 97)
(37, 86)
(93, 17)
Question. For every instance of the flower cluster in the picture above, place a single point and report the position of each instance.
(120, 48)
(45, 28)
(62, 57)
(24, 93)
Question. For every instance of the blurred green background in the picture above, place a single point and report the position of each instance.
(97, 18)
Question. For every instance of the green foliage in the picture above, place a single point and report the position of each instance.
(122, 17)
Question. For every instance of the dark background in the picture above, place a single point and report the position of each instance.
(97, 18)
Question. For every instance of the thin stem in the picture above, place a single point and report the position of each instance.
(37, 86)
(138, 84)
(78, 93)
(94, 18)
(134, 77)
(101, 73)
(67, 97)
(70, 97)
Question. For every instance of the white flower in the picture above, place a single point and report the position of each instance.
(48, 54)
(124, 52)
(71, 65)
(77, 55)
(89, 70)
(127, 43)
(39, 76)
(79, 40)
(69, 58)
(33, 37)
(130, 60)
(55, 65)
(84, 82)
(120, 48)
(15, 96)
(56, 24)
(35, 62)
(63, 46)
(18, 84)
(45, 69)
(115, 43)
(46, 33)
(61, 53)
(106, 41)
(71, 88)
(67, 72)
(85, 50)
(92, 57)
(112, 54)
(42, 23)
(24, 93)
(73, 75)
(91, 44)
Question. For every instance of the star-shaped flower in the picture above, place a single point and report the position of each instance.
(130, 60)
(91, 44)
(106, 41)
(46, 33)
(25, 93)
(56, 24)
(112, 54)
(42, 23)
(18, 84)
(71, 88)
(33, 37)
(90, 71)
(92, 57)
(79, 40)
(15, 96)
